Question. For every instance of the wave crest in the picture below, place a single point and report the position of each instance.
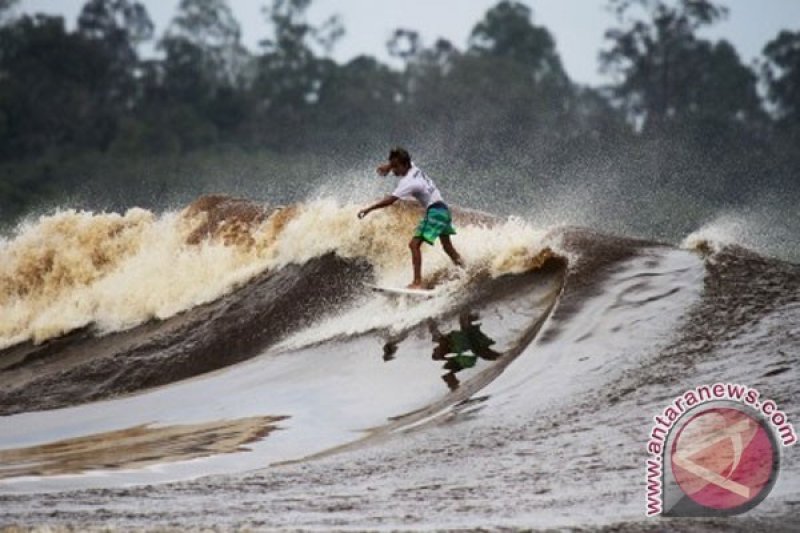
(73, 269)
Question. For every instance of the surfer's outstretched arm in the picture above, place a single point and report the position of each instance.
(386, 202)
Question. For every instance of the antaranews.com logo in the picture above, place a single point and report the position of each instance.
(714, 452)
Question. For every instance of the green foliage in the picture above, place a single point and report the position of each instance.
(51, 88)
(507, 96)
(692, 98)
(289, 74)
(782, 72)
(83, 116)
(203, 46)
(507, 34)
(359, 98)
(668, 73)
(117, 27)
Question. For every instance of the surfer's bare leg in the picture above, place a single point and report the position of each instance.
(447, 244)
(416, 261)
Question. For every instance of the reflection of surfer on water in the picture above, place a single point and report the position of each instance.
(467, 343)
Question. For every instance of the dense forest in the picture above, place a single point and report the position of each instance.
(86, 120)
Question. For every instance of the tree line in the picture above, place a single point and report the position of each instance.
(80, 108)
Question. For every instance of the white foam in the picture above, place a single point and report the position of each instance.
(73, 269)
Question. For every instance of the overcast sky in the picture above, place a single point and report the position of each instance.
(577, 25)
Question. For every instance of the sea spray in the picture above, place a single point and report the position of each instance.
(113, 271)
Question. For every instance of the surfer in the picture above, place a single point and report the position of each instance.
(437, 222)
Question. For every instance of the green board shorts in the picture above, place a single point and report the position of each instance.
(436, 222)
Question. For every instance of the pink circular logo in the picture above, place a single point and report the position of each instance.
(723, 458)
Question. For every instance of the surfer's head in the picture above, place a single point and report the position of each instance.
(400, 160)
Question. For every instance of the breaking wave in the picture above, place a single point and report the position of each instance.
(71, 269)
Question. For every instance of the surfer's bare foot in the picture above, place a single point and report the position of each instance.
(415, 286)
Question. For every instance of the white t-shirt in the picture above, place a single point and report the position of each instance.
(415, 183)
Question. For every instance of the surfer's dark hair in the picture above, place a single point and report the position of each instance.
(400, 155)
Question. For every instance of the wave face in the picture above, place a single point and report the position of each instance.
(112, 272)
(144, 348)
(103, 304)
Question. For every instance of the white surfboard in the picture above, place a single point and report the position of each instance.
(402, 291)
